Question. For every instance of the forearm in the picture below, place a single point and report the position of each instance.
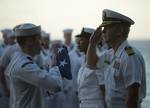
(3, 81)
(132, 100)
(132, 103)
(91, 57)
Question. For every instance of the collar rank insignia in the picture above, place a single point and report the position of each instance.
(129, 51)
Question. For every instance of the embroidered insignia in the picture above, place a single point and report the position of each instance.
(129, 51)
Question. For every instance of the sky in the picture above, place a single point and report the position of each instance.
(56, 15)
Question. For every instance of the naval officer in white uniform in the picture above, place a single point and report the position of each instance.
(89, 92)
(125, 80)
(26, 78)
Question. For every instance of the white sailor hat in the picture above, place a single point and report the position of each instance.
(86, 32)
(44, 34)
(68, 30)
(54, 42)
(27, 29)
(111, 17)
(8, 32)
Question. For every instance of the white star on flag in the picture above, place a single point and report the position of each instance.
(60, 49)
(62, 63)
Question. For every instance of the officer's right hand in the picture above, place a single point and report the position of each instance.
(96, 36)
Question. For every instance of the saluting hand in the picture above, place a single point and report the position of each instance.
(96, 36)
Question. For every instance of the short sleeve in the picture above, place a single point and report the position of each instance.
(133, 71)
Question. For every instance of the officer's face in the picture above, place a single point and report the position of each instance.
(82, 44)
(110, 34)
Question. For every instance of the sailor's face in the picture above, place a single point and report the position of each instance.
(36, 46)
(45, 41)
(82, 44)
(68, 36)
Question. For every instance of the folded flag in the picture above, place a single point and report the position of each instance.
(63, 62)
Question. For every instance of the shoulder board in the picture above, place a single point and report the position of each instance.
(26, 64)
(129, 51)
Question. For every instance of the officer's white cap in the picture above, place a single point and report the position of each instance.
(111, 17)
(8, 32)
(27, 29)
(86, 32)
(68, 30)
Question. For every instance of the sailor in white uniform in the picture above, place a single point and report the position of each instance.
(77, 58)
(11, 39)
(68, 39)
(45, 51)
(5, 32)
(61, 99)
(5, 60)
(89, 92)
(26, 78)
(46, 55)
(125, 80)
(67, 83)
(6, 54)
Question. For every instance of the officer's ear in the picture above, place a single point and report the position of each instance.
(119, 29)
